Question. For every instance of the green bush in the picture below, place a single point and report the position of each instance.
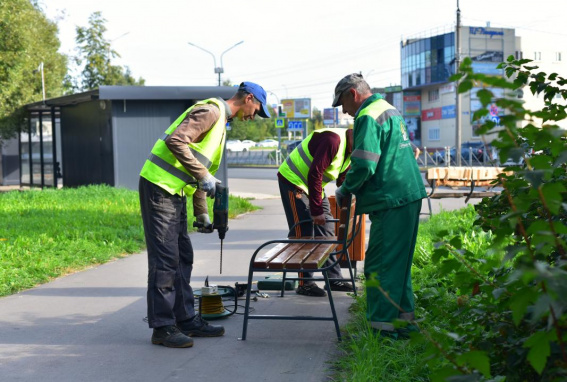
(509, 320)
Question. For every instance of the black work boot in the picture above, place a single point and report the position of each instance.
(197, 327)
(171, 337)
(340, 286)
(312, 290)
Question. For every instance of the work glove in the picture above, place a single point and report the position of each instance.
(319, 219)
(340, 194)
(205, 225)
(208, 184)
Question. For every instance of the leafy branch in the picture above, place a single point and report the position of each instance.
(525, 316)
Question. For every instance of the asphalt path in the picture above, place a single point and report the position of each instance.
(89, 326)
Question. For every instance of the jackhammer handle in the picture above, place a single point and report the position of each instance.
(201, 227)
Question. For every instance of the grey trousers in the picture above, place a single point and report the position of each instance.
(170, 255)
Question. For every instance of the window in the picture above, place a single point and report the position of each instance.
(537, 56)
(519, 55)
(434, 134)
(557, 56)
(433, 95)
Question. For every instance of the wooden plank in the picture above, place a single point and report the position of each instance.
(298, 257)
(319, 256)
(346, 217)
(464, 173)
(478, 194)
(465, 183)
(342, 232)
(262, 262)
(284, 256)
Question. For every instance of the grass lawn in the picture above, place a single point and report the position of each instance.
(50, 233)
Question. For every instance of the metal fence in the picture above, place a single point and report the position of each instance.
(426, 158)
(444, 158)
(255, 158)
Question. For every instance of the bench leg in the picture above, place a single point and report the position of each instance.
(470, 193)
(283, 284)
(247, 306)
(350, 271)
(334, 312)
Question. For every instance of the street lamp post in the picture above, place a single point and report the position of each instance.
(278, 109)
(285, 87)
(218, 69)
(111, 41)
(458, 131)
(40, 70)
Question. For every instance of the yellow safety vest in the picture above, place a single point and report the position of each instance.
(297, 164)
(164, 170)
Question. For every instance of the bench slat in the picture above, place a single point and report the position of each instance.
(297, 259)
(284, 256)
(478, 194)
(262, 262)
(319, 256)
(465, 183)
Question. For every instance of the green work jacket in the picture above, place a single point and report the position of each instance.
(384, 173)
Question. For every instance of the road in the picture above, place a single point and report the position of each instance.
(261, 183)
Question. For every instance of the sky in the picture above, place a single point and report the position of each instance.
(293, 48)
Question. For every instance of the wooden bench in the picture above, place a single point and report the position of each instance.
(463, 181)
(305, 254)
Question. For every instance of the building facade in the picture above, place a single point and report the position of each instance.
(550, 57)
(429, 99)
(102, 136)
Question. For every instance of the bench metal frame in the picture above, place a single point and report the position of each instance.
(468, 190)
(349, 226)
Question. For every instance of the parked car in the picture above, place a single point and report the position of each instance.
(248, 143)
(292, 145)
(477, 148)
(235, 145)
(515, 156)
(267, 143)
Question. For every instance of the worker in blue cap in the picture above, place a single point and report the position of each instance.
(183, 163)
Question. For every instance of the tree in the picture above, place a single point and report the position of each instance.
(27, 39)
(94, 55)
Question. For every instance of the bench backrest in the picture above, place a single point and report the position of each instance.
(346, 224)
(462, 176)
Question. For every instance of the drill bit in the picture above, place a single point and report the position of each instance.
(221, 256)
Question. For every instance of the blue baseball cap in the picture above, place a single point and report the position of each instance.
(260, 94)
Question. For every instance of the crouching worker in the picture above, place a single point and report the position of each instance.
(322, 157)
(182, 164)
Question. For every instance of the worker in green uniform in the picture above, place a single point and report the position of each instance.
(388, 186)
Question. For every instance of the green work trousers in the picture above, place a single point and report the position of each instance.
(388, 260)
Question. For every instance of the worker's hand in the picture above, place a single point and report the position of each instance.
(340, 194)
(319, 219)
(208, 184)
(205, 225)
